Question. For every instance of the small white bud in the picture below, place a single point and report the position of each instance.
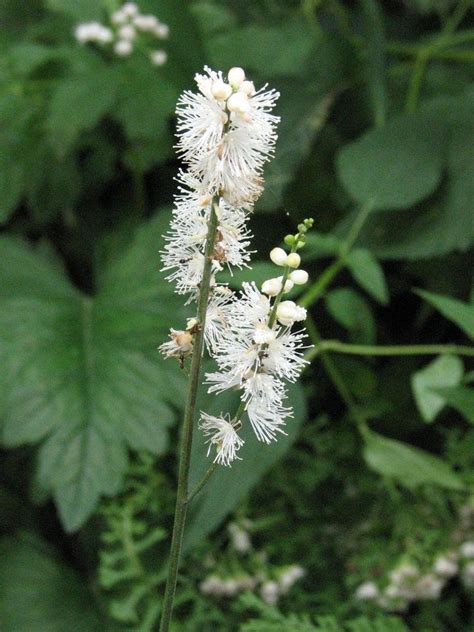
(161, 30)
(288, 285)
(263, 335)
(221, 90)
(247, 88)
(239, 103)
(270, 592)
(130, 9)
(146, 22)
(271, 287)
(123, 48)
(288, 313)
(293, 260)
(118, 17)
(127, 32)
(158, 57)
(367, 590)
(299, 277)
(467, 549)
(278, 256)
(236, 77)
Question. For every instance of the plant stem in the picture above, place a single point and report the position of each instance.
(388, 350)
(426, 53)
(317, 289)
(185, 455)
(336, 377)
(202, 482)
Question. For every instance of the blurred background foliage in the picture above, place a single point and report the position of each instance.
(377, 107)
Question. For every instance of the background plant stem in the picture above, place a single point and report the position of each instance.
(187, 432)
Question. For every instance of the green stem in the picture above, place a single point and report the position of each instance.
(311, 296)
(388, 350)
(202, 482)
(185, 456)
(336, 377)
(445, 38)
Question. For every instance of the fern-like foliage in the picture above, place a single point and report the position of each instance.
(270, 619)
(129, 536)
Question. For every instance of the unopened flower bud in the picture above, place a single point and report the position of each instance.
(271, 287)
(239, 103)
(130, 9)
(123, 48)
(248, 88)
(288, 313)
(278, 256)
(236, 77)
(299, 277)
(158, 57)
(293, 260)
(126, 32)
(220, 90)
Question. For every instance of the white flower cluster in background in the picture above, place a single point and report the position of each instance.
(251, 570)
(408, 583)
(128, 29)
(226, 133)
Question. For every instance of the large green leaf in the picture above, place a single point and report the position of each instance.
(39, 593)
(80, 102)
(230, 484)
(445, 371)
(352, 311)
(409, 465)
(368, 273)
(83, 10)
(461, 398)
(82, 374)
(462, 314)
(394, 166)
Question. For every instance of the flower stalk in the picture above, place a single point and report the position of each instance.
(187, 436)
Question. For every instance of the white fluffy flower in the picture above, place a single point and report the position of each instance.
(158, 57)
(223, 436)
(227, 139)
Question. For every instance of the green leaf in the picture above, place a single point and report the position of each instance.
(394, 166)
(39, 593)
(258, 48)
(409, 465)
(82, 374)
(146, 102)
(79, 103)
(82, 11)
(368, 273)
(352, 311)
(444, 371)
(462, 314)
(461, 398)
(229, 485)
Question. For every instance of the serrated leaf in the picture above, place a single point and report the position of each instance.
(394, 166)
(409, 465)
(230, 484)
(368, 273)
(462, 314)
(444, 371)
(352, 311)
(82, 374)
(39, 593)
